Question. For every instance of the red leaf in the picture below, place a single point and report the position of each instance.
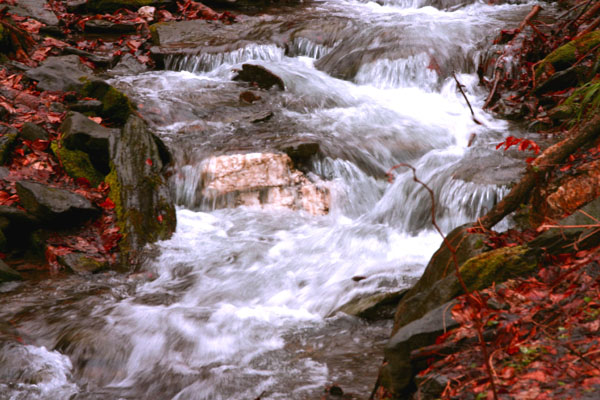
(83, 182)
(40, 145)
(149, 161)
(537, 375)
(160, 219)
(107, 204)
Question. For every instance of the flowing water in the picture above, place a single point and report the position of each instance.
(243, 301)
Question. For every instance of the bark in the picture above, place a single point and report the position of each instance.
(538, 169)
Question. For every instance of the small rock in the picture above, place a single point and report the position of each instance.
(64, 73)
(81, 133)
(32, 132)
(128, 65)
(35, 9)
(374, 307)
(8, 274)
(82, 263)
(86, 106)
(54, 205)
(300, 152)
(3, 113)
(104, 26)
(258, 74)
(57, 107)
(261, 116)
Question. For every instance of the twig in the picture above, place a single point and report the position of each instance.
(476, 302)
(459, 85)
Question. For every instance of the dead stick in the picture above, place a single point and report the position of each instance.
(459, 85)
(534, 11)
(536, 172)
(595, 23)
(488, 101)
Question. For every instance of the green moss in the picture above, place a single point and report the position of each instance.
(563, 57)
(497, 266)
(584, 102)
(112, 5)
(116, 106)
(154, 33)
(77, 164)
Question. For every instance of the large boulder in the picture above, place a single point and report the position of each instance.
(143, 203)
(441, 264)
(261, 179)
(58, 207)
(397, 374)
(64, 73)
(478, 273)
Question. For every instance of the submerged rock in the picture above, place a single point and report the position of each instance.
(261, 179)
(53, 205)
(259, 75)
(64, 73)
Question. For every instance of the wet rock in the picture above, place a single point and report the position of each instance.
(7, 142)
(300, 151)
(104, 26)
(261, 116)
(467, 245)
(259, 75)
(8, 274)
(128, 65)
(143, 203)
(261, 179)
(82, 263)
(557, 240)
(37, 9)
(64, 73)
(396, 376)
(116, 106)
(53, 205)
(86, 106)
(101, 60)
(31, 131)
(374, 307)
(478, 273)
(81, 133)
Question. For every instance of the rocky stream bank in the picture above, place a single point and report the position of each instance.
(85, 181)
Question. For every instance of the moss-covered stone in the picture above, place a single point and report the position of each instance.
(497, 266)
(563, 57)
(77, 164)
(116, 106)
(154, 33)
(112, 5)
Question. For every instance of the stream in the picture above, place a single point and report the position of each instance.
(243, 302)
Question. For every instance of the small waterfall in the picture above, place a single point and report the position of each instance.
(204, 62)
(413, 71)
(306, 47)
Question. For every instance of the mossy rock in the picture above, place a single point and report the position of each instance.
(113, 5)
(566, 55)
(478, 273)
(116, 106)
(77, 164)
(143, 203)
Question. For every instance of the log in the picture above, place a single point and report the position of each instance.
(536, 172)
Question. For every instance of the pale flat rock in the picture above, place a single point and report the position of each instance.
(262, 180)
